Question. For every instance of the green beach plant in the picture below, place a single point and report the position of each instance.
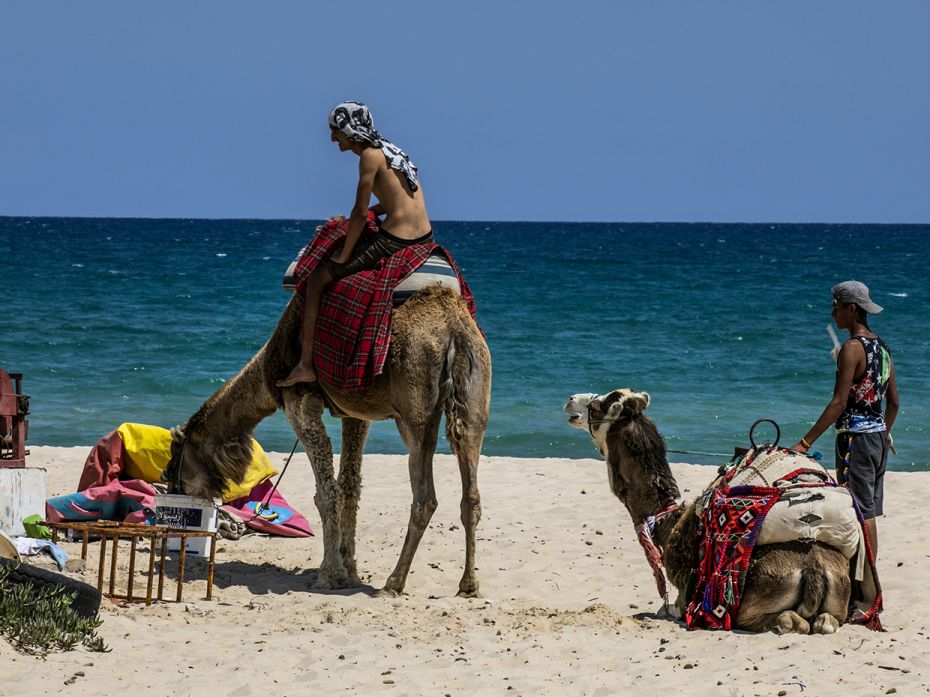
(39, 620)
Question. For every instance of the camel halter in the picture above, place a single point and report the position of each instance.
(173, 475)
(596, 422)
(652, 551)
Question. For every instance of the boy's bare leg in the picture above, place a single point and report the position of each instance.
(303, 371)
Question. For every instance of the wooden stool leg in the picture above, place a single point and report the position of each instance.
(161, 568)
(132, 568)
(113, 564)
(181, 561)
(211, 567)
(148, 588)
(102, 564)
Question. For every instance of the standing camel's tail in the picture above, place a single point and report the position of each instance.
(463, 386)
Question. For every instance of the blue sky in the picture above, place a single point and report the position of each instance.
(602, 111)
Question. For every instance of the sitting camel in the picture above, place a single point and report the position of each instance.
(438, 362)
(801, 586)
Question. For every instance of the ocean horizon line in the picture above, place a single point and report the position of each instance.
(525, 221)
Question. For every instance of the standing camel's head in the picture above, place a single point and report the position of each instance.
(203, 464)
(637, 468)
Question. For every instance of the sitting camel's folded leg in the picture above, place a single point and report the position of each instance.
(756, 615)
(305, 414)
(354, 433)
(834, 607)
(773, 591)
(795, 587)
(420, 439)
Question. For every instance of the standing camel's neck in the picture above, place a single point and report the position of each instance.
(240, 404)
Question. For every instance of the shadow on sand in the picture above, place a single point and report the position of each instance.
(259, 578)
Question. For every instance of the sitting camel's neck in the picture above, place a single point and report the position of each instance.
(675, 534)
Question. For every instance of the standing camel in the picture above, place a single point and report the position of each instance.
(801, 587)
(438, 363)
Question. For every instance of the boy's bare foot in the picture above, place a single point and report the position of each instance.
(300, 373)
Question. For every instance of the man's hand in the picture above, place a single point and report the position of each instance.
(891, 442)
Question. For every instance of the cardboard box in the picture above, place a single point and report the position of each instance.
(190, 513)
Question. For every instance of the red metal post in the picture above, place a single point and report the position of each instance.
(14, 406)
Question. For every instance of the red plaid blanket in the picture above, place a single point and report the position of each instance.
(353, 332)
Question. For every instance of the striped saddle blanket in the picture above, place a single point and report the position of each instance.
(435, 271)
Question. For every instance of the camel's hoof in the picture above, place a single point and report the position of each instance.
(468, 593)
(468, 587)
(790, 622)
(387, 593)
(331, 581)
(825, 624)
(322, 584)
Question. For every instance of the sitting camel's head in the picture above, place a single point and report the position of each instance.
(202, 465)
(596, 413)
(637, 470)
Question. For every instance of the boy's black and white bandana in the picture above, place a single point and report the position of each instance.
(354, 120)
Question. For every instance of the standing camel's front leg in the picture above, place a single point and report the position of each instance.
(354, 433)
(305, 414)
(420, 439)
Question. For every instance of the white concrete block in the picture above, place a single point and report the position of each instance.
(22, 493)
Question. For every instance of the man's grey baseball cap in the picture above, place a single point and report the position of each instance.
(856, 292)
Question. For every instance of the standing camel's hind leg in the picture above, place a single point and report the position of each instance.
(420, 439)
(466, 421)
(468, 449)
(354, 433)
(304, 413)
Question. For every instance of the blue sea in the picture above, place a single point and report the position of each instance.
(114, 320)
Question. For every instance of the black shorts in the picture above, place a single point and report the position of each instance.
(366, 254)
(861, 459)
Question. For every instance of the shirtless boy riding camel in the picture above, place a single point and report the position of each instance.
(387, 172)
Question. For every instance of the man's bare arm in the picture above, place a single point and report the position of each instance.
(846, 369)
(891, 407)
(367, 169)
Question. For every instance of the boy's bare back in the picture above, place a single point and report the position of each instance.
(404, 210)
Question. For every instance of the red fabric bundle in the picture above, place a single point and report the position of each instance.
(353, 332)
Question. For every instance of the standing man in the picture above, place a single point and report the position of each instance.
(864, 379)
(386, 172)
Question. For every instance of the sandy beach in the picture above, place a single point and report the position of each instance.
(568, 608)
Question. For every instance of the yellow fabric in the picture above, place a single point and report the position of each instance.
(148, 450)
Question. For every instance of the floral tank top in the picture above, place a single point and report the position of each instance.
(863, 412)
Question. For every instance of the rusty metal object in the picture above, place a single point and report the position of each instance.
(157, 536)
(14, 406)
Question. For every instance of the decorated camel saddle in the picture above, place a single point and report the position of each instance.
(353, 330)
(769, 495)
